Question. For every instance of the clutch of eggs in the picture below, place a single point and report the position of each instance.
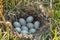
(26, 26)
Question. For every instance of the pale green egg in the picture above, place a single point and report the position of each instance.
(18, 29)
(36, 24)
(24, 32)
(32, 30)
(22, 21)
(29, 19)
(17, 24)
(30, 25)
(24, 28)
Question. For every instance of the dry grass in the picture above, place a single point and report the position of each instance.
(13, 10)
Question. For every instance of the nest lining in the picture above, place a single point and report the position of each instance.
(24, 12)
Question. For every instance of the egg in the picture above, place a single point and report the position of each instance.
(17, 24)
(30, 25)
(24, 28)
(17, 29)
(24, 32)
(32, 30)
(29, 19)
(22, 21)
(36, 24)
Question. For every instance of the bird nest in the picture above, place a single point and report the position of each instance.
(22, 11)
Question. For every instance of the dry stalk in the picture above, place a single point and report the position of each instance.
(1, 11)
(3, 18)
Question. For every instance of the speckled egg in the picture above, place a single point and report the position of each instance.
(24, 28)
(24, 32)
(22, 21)
(17, 29)
(32, 30)
(17, 24)
(29, 19)
(36, 24)
(30, 25)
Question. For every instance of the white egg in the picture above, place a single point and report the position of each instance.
(22, 21)
(18, 29)
(30, 25)
(36, 24)
(24, 32)
(24, 28)
(32, 30)
(29, 19)
(16, 24)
